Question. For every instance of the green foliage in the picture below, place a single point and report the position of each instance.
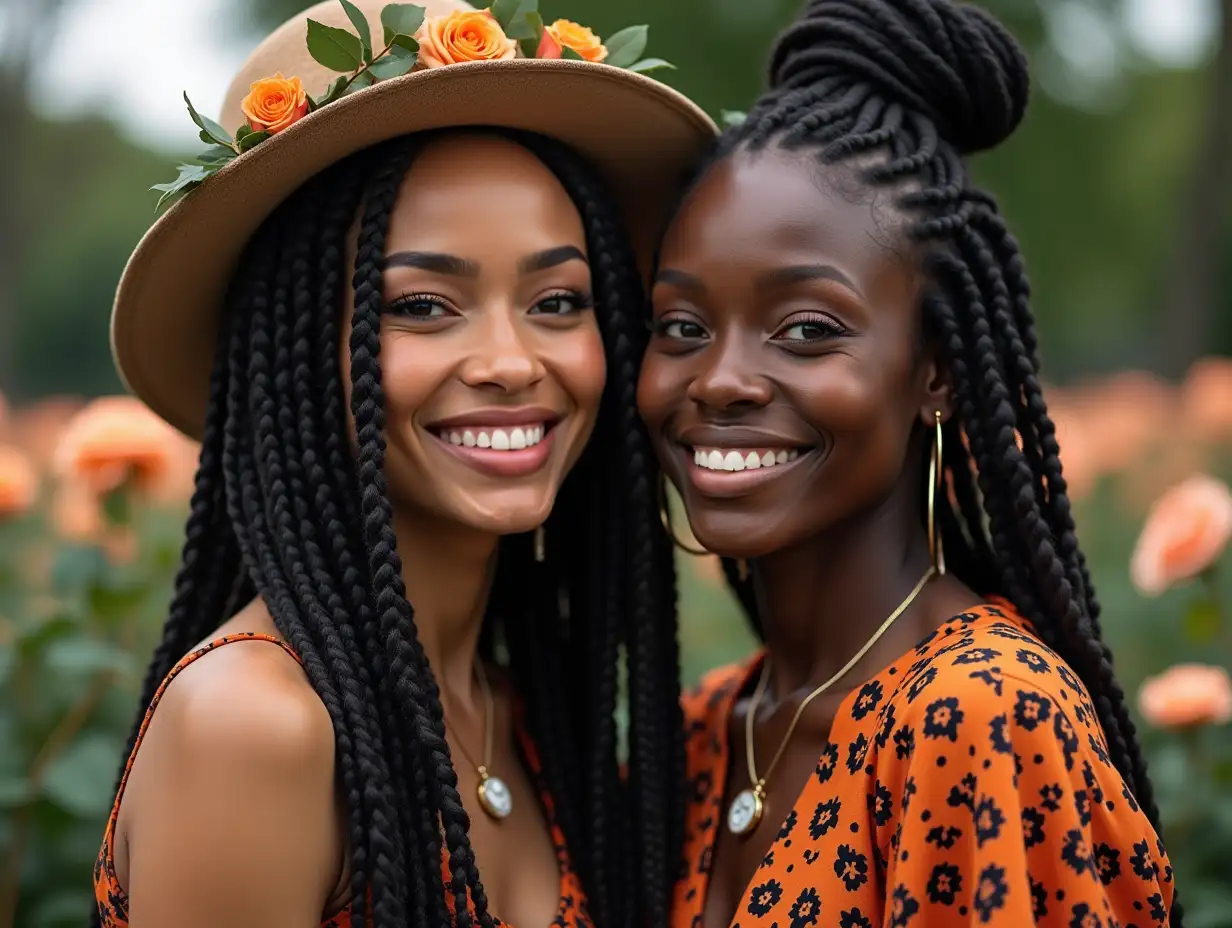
(626, 46)
(336, 49)
(75, 630)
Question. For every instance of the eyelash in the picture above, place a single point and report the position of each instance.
(830, 328)
(401, 306)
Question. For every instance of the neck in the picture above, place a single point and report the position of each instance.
(447, 569)
(822, 599)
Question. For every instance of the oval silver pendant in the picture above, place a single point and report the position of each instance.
(495, 797)
(745, 812)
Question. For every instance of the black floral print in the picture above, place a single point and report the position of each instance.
(968, 783)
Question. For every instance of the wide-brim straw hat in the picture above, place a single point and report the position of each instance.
(642, 136)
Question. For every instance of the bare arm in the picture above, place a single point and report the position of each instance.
(229, 817)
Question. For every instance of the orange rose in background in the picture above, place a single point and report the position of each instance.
(275, 103)
(582, 40)
(460, 36)
(19, 483)
(1185, 533)
(118, 438)
(1187, 695)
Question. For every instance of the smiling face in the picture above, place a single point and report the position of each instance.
(491, 359)
(788, 371)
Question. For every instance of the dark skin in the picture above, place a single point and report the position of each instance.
(788, 318)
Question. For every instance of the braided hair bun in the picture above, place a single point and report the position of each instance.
(952, 63)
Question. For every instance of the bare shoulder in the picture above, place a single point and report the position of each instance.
(234, 786)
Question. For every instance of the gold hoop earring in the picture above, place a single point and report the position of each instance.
(667, 524)
(936, 480)
(540, 545)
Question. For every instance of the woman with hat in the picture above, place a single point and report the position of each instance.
(401, 314)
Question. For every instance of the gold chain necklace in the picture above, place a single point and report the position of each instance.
(495, 797)
(749, 805)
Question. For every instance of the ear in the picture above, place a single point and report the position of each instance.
(937, 394)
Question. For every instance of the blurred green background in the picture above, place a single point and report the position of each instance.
(1119, 186)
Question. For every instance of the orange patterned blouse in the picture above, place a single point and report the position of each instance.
(968, 783)
(113, 902)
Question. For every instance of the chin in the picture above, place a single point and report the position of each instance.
(736, 535)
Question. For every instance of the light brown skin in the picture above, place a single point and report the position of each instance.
(232, 814)
(833, 361)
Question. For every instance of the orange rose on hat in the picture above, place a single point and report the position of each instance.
(463, 36)
(275, 103)
(565, 33)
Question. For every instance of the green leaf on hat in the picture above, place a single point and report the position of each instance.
(731, 118)
(190, 176)
(532, 29)
(402, 45)
(363, 79)
(252, 139)
(569, 54)
(399, 61)
(336, 49)
(217, 154)
(401, 19)
(646, 65)
(360, 22)
(508, 12)
(210, 130)
(626, 46)
(330, 95)
(526, 28)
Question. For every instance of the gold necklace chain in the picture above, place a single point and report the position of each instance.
(489, 711)
(494, 795)
(759, 783)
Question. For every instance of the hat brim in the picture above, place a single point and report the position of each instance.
(642, 135)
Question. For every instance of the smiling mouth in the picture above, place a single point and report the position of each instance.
(504, 450)
(741, 459)
(496, 438)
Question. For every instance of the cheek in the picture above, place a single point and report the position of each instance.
(410, 374)
(581, 367)
(657, 390)
(844, 395)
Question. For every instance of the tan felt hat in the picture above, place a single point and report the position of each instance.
(642, 135)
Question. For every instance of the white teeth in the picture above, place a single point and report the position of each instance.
(516, 439)
(735, 461)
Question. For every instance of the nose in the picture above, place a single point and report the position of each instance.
(730, 380)
(504, 357)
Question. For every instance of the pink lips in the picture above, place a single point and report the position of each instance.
(512, 463)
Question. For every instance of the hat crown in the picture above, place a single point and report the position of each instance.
(285, 50)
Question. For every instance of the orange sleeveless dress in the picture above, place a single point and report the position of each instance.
(968, 783)
(113, 901)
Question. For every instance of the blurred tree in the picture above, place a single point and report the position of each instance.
(25, 27)
(1206, 223)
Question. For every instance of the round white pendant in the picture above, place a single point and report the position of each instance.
(745, 812)
(495, 797)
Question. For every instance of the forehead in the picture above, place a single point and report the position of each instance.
(472, 194)
(775, 207)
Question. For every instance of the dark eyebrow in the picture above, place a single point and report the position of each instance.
(806, 272)
(435, 262)
(551, 257)
(679, 279)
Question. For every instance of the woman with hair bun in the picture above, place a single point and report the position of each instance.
(842, 382)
